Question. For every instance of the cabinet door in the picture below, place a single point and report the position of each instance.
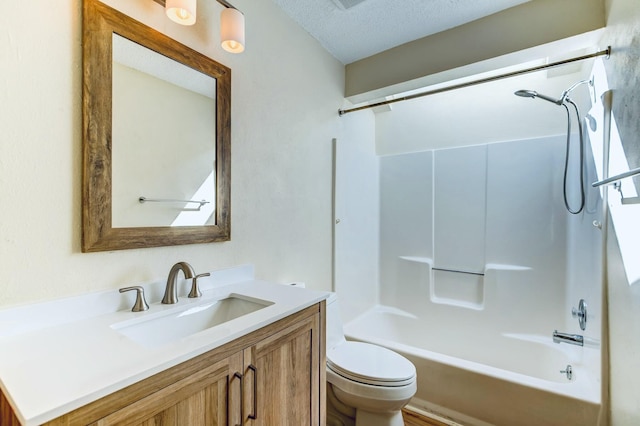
(210, 397)
(282, 377)
(7, 416)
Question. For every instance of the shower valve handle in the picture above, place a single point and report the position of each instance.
(581, 314)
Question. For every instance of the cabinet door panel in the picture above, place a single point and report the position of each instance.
(198, 400)
(280, 390)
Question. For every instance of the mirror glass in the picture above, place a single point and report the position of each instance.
(163, 127)
(156, 137)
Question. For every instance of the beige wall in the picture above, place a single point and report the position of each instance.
(152, 166)
(472, 48)
(286, 93)
(286, 90)
(623, 34)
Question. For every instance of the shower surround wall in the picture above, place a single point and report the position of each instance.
(492, 213)
(479, 263)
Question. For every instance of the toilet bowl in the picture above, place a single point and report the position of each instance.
(367, 385)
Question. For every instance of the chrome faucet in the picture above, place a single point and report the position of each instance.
(171, 292)
(572, 339)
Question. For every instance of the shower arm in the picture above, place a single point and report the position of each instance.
(565, 94)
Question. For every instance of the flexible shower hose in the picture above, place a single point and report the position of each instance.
(566, 158)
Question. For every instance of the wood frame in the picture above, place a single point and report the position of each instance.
(277, 333)
(99, 22)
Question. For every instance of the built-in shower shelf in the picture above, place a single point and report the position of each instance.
(458, 271)
(417, 259)
(457, 303)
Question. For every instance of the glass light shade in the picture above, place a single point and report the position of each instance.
(181, 11)
(232, 30)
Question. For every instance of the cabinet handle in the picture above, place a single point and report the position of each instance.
(239, 376)
(255, 392)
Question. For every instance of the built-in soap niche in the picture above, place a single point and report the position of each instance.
(418, 281)
(458, 289)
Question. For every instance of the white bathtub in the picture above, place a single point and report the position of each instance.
(479, 377)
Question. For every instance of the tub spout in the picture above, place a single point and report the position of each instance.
(573, 339)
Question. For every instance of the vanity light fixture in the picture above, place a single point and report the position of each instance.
(182, 12)
(231, 21)
(231, 28)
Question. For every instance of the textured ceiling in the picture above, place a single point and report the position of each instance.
(372, 26)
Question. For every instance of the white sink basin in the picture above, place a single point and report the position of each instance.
(165, 328)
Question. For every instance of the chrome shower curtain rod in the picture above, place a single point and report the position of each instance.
(605, 52)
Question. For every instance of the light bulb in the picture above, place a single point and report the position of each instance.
(183, 14)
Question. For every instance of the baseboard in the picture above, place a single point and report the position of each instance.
(429, 415)
(442, 414)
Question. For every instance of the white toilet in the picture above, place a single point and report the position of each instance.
(364, 381)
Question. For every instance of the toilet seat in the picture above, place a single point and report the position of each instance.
(370, 364)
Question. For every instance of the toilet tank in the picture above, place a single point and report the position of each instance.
(335, 334)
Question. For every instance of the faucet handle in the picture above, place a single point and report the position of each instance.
(141, 303)
(195, 291)
(581, 314)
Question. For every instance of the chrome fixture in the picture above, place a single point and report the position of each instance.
(568, 371)
(195, 291)
(606, 53)
(140, 304)
(572, 339)
(534, 94)
(616, 178)
(201, 203)
(171, 292)
(563, 101)
(617, 185)
(581, 314)
(564, 97)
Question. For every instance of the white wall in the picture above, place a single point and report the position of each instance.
(495, 209)
(286, 92)
(357, 211)
(623, 34)
(479, 114)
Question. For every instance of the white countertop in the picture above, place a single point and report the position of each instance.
(60, 355)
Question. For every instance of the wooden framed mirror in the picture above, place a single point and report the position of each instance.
(156, 138)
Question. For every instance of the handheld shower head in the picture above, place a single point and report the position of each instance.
(534, 94)
(526, 93)
(565, 101)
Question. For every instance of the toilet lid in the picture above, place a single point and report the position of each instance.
(370, 364)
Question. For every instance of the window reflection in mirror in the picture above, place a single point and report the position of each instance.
(163, 128)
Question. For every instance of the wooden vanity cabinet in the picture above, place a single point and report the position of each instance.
(274, 376)
(281, 385)
(202, 399)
